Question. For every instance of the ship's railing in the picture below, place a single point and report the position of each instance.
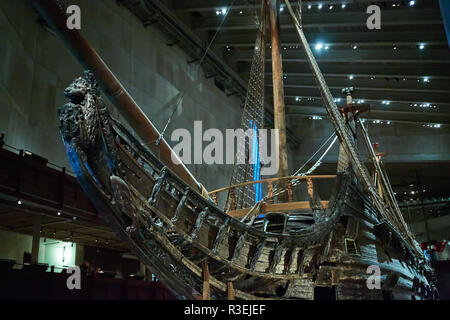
(287, 204)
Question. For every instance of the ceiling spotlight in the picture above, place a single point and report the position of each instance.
(355, 47)
(343, 5)
(320, 6)
(281, 9)
(59, 213)
(411, 3)
(330, 7)
(421, 46)
(224, 10)
(309, 6)
(240, 12)
(426, 79)
(351, 77)
(394, 47)
(297, 99)
(74, 218)
(319, 46)
(327, 47)
(19, 202)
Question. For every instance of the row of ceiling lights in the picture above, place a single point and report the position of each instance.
(223, 11)
(19, 202)
(344, 5)
(320, 45)
(424, 79)
(384, 102)
(423, 105)
(380, 122)
(431, 125)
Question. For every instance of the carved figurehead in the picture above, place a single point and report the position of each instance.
(86, 126)
(80, 117)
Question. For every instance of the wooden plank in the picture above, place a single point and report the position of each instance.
(277, 207)
(276, 257)
(230, 291)
(257, 254)
(180, 207)
(220, 235)
(238, 248)
(199, 222)
(328, 176)
(206, 288)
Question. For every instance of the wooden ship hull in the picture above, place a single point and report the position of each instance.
(320, 250)
(198, 250)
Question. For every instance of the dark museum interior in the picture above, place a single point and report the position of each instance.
(102, 100)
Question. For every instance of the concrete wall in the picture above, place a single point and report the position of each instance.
(404, 142)
(36, 68)
(438, 227)
(13, 245)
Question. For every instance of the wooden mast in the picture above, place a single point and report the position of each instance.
(278, 91)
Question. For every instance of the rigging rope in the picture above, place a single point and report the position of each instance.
(253, 119)
(315, 153)
(276, 192)
(180, 99)
(347, 143)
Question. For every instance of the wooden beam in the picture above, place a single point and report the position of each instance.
(277, 207)
(271, 180)
(278, 91)
(206, 276)
(230, 291)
